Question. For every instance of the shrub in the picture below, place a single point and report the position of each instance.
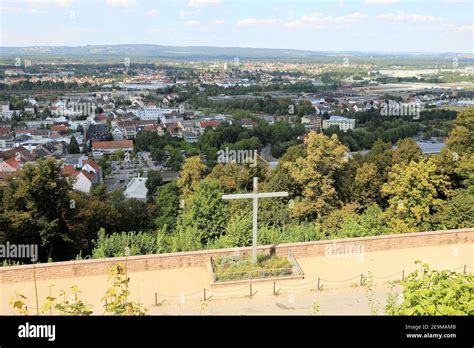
(139, 243)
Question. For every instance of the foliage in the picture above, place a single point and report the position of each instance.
(35, 204)
(205, 211)
(415, 191)
(73, 146)
(116, 297)
(315, 308)
(154, 180)
(316, 174)
(236, 268)
(407, 151)
(370, 293)
(433, 292)
(457, 212)
(114, 245)
(191, 174)
(167, 206)
(73, 306)
(18, 304)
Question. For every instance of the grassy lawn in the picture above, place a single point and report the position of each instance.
(228, 268)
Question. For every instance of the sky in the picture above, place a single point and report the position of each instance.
(322, 25)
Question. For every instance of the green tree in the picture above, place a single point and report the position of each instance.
(458, 212)
(191, 174)
(154, 180)
(167, 206)
(35, 205)
(461, 147)
(73, 146)
(316, 174)
(415, 190)
(206, 212)
(367, 185)
(407, 151)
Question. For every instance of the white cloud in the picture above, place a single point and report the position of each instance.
(155, 30)
(191, 23)
(62, 3)
(466, 28)
(38, 3)
(401, 17)
(11, 10)
(314, 20)
(20, 10)
(121, 3)
(202, 3)
(254, 21)
(152, 13)
(380, 2)
(217, 22)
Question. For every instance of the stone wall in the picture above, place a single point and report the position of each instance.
(71, 269)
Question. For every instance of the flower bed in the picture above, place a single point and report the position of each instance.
(228, 268)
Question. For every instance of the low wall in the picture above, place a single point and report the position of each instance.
(71, 269)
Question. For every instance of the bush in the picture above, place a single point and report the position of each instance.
(139, 243)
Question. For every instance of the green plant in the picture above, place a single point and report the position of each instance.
(18, 304)
(433, 292)
(368, 283)
(315, 308)
(73, 306)
(116, 297)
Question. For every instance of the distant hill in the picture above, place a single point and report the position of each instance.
(201, 52)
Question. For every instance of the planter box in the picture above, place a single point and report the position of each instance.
(296, 273)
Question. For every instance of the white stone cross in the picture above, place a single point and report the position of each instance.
(255, 196)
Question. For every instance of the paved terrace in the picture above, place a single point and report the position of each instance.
(181, 290)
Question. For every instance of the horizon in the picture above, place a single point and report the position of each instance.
(248, 47)
(386, 26)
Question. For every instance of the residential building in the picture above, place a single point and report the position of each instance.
(75, 160)
(5, 111)
(150, 113)
(97, 132)
(9, 168)
(190, 137)
(312, 122)
(136, 189)
(343, 123)
(99, 148)
(7, 141)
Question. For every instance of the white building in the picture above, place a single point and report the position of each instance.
(343, 123)
(136, 189)
(150, 113)
(5, 110)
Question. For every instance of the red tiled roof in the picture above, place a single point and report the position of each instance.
(69, 169)
(12, 162)
(58, 128)
(205, 124)
(92, 164)
(116, 144)
(88, 175)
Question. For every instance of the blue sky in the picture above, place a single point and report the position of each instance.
(340, 25)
